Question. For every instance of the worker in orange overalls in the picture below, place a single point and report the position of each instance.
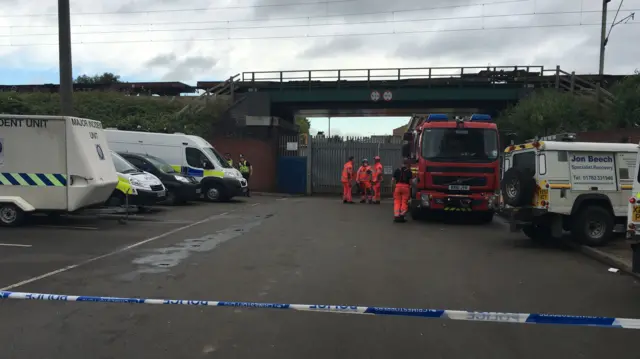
(363, 177)
(377, 178)
(401, 191)
(347, 179)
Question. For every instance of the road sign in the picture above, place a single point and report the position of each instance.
(387, 96)
(375, 96)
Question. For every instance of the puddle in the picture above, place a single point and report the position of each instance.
(163, 259)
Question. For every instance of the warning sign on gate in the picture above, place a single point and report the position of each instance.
(375, 95)
(387, 96)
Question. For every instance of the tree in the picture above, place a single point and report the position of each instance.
(548, 111)
(626, 110)
(303, 123)
(106, 78)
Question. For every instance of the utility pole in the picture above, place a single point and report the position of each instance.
(65, 63)
(603, 44)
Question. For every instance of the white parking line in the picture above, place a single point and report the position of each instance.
(255, 204)
(68, 227)
(282, 199)
(117, 251)
(15, 245)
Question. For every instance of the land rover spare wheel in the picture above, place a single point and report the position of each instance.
(518, 187)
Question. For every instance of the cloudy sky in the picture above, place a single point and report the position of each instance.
(191, 40)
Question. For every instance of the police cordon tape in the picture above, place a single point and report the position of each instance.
(522, 318)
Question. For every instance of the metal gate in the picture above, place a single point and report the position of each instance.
(328, 156)
(293, 165)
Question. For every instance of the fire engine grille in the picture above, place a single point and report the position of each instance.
(465, 181)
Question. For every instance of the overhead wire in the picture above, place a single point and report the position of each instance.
(307, 36)
(308, 25)
(386, 12)
(321, 2)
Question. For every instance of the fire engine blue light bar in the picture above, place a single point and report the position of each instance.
(437, 117)
(515, 318)
(480, 118)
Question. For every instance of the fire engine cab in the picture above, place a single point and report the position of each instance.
(455, 164)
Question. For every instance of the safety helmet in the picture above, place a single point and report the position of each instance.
(365, 160)
(376, 158)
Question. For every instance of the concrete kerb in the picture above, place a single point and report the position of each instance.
(594, 253)
(275, 194)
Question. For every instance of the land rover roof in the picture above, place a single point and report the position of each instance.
(577, 146)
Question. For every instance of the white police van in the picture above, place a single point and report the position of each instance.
(52, 164)
(582, 187)
(189, 155)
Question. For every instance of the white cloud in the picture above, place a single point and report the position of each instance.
(152, 57)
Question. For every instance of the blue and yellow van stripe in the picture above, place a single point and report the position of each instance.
(33, 179)
(186, 170)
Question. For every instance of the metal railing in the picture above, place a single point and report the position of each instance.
(571, 82)
(394, 74)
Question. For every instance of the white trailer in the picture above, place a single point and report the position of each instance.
(52, 164)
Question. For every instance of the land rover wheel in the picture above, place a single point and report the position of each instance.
(593, 226)
(518, 187)
(10, 215)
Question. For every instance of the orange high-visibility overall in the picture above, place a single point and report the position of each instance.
(402, 192)
(378, 171)
(364, 181)
(347, 176)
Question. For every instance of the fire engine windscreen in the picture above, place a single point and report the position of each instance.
(460, 144)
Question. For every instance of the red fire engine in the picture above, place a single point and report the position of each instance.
(455, 164)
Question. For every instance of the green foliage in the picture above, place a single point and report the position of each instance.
(627, 104)
(549, 111)
(148, 113)
(304, 124)
(105, 78)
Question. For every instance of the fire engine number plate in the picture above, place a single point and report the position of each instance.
(458, 187)
(636, 214)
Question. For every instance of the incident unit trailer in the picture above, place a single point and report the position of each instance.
(52, 164)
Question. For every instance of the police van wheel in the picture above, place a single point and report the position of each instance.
(593, 226)
(10, 215)
(213, 193)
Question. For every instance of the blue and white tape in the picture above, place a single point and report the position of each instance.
(522, 318)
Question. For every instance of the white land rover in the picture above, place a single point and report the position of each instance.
(582, 187)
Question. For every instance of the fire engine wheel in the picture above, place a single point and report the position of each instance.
(518, 187)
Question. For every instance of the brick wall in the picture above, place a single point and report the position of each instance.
(260, 152)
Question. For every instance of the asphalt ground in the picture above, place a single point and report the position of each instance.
(302, 250)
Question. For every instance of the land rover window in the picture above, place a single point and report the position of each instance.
(562, 156)
(525, 161)
(542, 164)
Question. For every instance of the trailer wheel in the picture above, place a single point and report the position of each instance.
(10, 215)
